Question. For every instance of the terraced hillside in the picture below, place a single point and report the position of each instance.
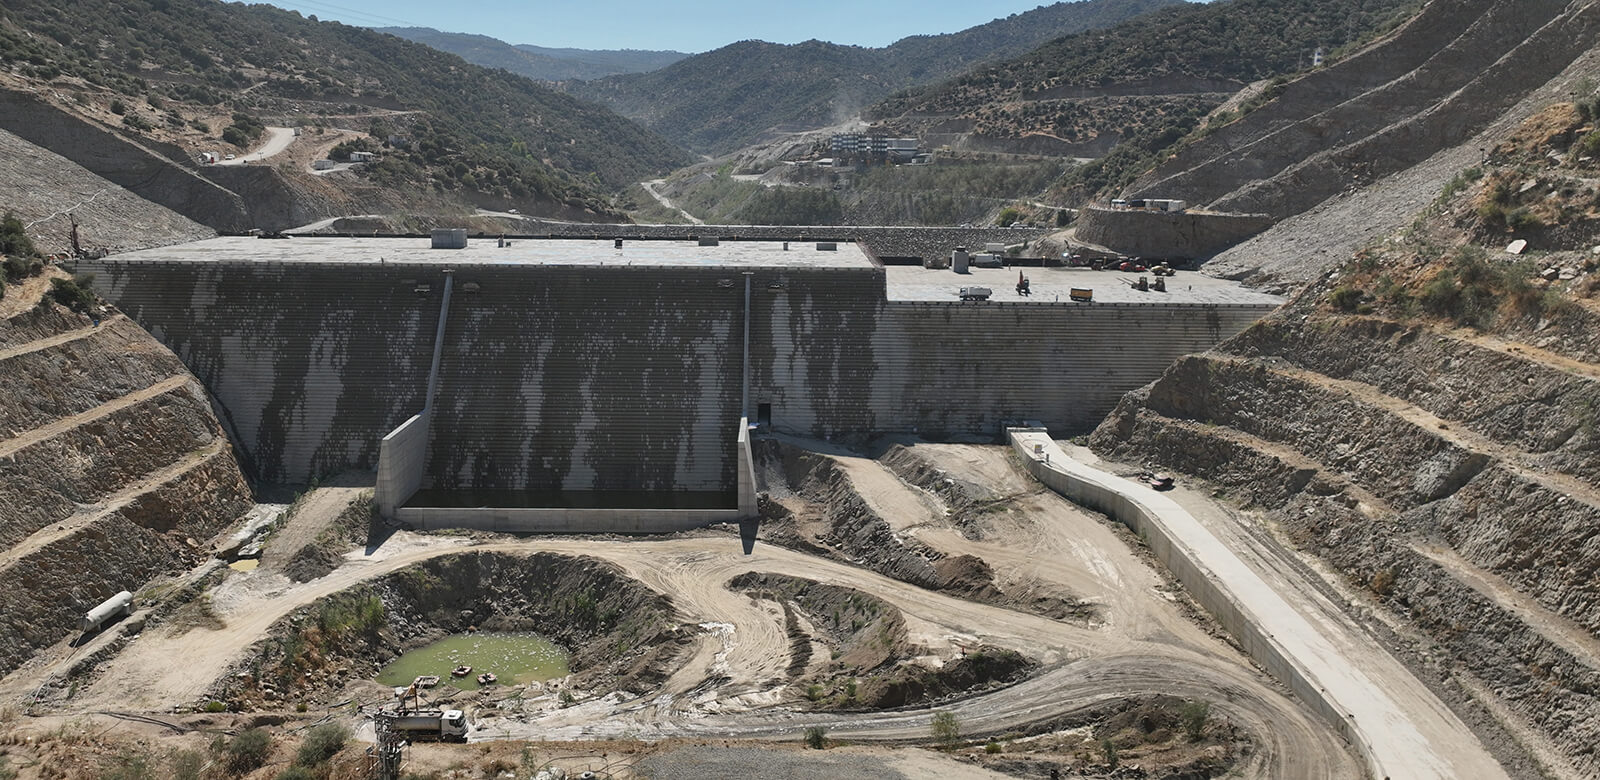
(1420, 426)
(113, 469)
(1452, 70)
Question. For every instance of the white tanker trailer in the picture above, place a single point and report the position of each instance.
(446, 725)
(120, 605)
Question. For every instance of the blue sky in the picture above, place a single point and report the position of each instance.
(684, 25)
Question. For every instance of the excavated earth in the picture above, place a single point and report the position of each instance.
(1445, 481)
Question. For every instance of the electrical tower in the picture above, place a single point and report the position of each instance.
(387, 754)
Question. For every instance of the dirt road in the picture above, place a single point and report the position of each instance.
(1404, 729)
(278, 139)
(650, 187)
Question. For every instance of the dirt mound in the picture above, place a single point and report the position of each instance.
(872, 663)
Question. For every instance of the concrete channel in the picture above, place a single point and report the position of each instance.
(1399, 728)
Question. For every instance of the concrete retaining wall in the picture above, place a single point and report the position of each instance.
(1192, 234)
(569, 521)
(402, 464)
(1200, 582)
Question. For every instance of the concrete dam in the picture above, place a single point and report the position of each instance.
(602, 375)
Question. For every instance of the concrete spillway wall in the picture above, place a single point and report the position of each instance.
(616, 378)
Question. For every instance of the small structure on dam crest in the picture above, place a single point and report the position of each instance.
(592, 385)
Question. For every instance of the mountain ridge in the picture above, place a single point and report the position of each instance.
(816, 81)
(539, 63)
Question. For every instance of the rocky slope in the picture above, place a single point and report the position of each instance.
(113, 469)
(1421, 426)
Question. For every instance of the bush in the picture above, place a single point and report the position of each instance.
(1345, 298)
(817, 737)
(946, 730)
(14, 241)
(321, 743)
(73, 293)
(1109, 748)
(118, 107)
(246, 752)
(1195, 714)
(129, 767)
(187, 765)
(215, 706)
(992, 747)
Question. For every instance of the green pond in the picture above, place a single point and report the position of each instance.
(513, 658)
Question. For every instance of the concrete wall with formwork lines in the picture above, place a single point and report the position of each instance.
(568, 375)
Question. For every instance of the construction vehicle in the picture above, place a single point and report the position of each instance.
(1162, 269)
(1081, 294)
(1157, 481)
(976, 293)
(442, 725)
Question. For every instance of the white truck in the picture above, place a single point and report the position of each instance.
(443, 725)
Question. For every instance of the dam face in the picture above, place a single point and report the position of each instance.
(576, 367)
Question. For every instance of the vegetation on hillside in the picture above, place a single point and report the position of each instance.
(537, 62)
(1449, 264)
(475, 130)
(1231, 40)
(1081, 86)
(724, 99)
(21, 259)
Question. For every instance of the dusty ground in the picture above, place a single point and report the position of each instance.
(733, 680)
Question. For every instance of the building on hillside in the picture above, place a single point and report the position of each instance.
(858, 147)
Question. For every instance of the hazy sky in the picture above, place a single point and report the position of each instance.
(684, 25)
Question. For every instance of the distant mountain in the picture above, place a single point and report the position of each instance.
(538, 62)
(467, 129)
(724, 99)
(1126, 92)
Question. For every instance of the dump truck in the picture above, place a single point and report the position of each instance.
(1081, 294)
(443, 725)
(976, 293)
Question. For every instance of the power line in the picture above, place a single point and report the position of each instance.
(369, 17)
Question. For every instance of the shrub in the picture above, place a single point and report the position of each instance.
(247, 751)
(14, 241)
(215, 706)
(946, 730)
(129, 767)
(817, 737)
(321, 743)
(187, 765)
(992, 747)
(1109, 748)
(118, 107)
(1195, 714)
(1345, 298)
(73, 293)
(814, 692)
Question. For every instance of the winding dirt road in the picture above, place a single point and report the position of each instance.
(734, 681)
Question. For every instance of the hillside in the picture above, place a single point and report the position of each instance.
(168, 68)
(724, 99)
(1418, 423)
(1143, 83)
(538, 62)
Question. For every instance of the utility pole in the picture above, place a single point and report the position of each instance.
(388, 753)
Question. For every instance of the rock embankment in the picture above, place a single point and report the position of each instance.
(1449, 483)
(113, 471)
